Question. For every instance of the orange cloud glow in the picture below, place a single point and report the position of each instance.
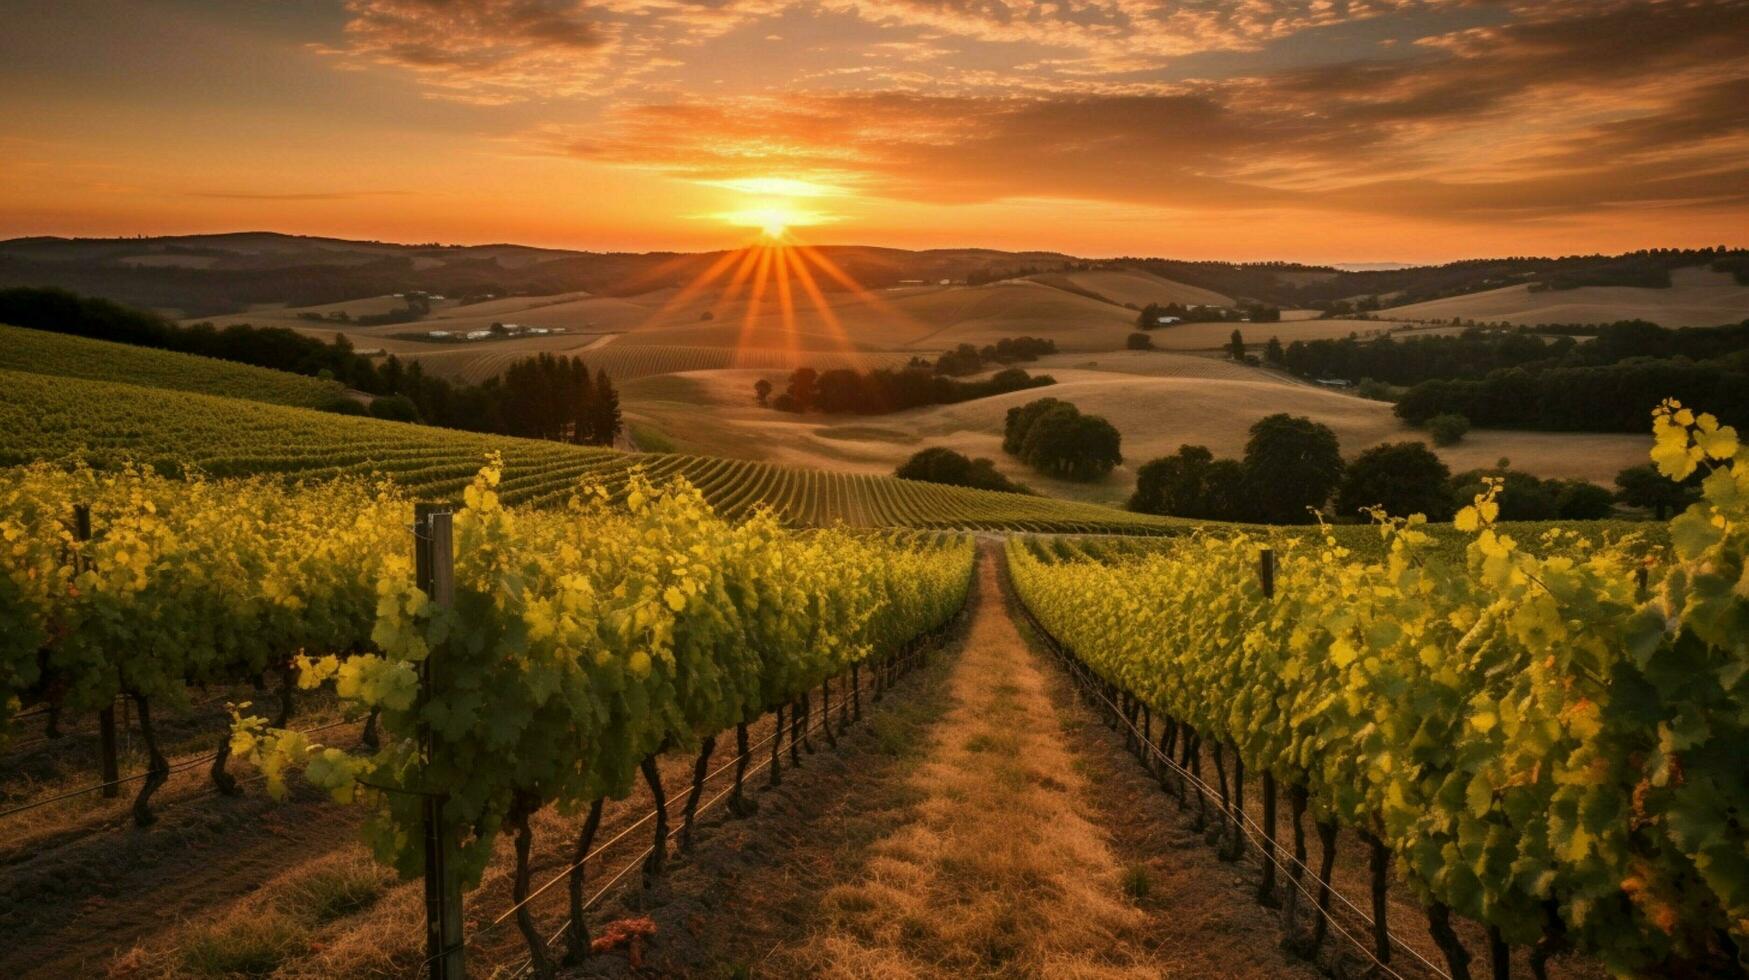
(1302, 129)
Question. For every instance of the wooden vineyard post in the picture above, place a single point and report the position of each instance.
(1266, 888)
(434, 569)
(106, 717)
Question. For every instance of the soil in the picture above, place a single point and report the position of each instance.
(981, 824)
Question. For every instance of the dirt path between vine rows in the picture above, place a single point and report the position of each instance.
(996, 835)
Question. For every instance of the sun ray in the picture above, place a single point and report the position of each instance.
(737, 283)
(815, 296)
(698, 284)
(759, 281)
(785, 298)
(856, 289)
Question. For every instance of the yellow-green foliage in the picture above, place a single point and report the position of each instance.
(583, 640)
(1520, 725)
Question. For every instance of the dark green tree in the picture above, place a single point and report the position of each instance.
(1582, 500)
(1447, 428)
(1064, 443)
(607, 423)
(1236, 346)
(1292, 465)
(1403, 477)
(1192, 483)
(1139, 341)
(1644, 486)
(938, 464)
(1020, 418)
(1272, 351)
(762, 390)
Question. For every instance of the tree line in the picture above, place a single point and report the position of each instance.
(968, 359)
(1149, 318)
(1293, 470)
(883, 390)
(540, 397)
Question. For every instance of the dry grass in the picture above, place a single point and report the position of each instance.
(279, 931)
(999, 871)
(1133, 287)
(1209, 402)
(1697, 297)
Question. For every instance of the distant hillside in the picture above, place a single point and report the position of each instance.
(211, 275)
(208, 275)
(1297, 286)
(1696, 297)
(40, 352)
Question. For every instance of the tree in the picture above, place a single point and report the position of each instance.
(1292, 465)
(1020, 418)
(1272, 351)
(1139, 341)
(1064, 443)
(939, 464)
(1447, 428)
(1404, 478)
(1644, 486)
(1582, 500)
(606, 427)
(801, 388)
(395, 408)
(1191, 483)
(1236, 346)
(762, 389)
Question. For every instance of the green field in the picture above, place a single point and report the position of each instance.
(41, 352)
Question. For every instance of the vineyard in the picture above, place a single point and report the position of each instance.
(62, 355)
(105, 424)
(1548, 741)
(581, 642)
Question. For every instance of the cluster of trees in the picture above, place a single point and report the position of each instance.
(1293, 469)
(522, 401)
(1149, 318)
(1053, 437)
(1608, 398)
(1476, 352)
(1517, 379)
(884, 390)
(938, 464)
(968, 359)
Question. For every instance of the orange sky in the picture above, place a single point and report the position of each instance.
(1312, 130)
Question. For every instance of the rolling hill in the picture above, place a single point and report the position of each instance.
(60, 355)
(105, 423)
(1180, 400)
(1696, 297)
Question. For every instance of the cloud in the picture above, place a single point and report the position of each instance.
(309, 196)
(1475, 110)
(1566, 109)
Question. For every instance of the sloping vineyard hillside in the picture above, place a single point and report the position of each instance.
(62, 355)
(107, 423)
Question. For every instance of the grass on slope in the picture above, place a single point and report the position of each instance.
(1697, 297)
(42, 352)
(105, 423)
